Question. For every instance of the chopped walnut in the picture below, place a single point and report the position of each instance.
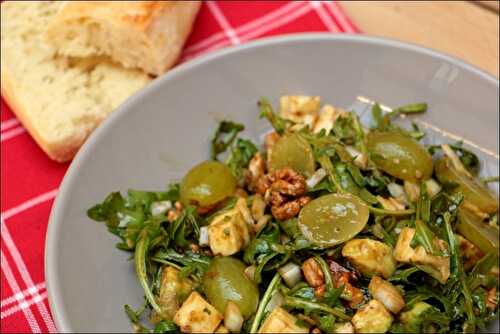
(491, 298)
(470, 253)
(344, 277)
(289, 182)
(289, 209)
(350, 290)
(313, 273)
(283, 190)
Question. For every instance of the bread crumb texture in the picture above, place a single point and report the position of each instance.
(60, 100)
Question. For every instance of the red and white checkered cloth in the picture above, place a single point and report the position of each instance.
(29, 179)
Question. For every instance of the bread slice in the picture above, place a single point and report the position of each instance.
(59, 100)
(138, 34)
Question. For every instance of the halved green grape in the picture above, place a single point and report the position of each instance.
(399, 155)
(332, 219)
(293, 151)
(478, 232)
(225, 280)
(473, 190)
(207, 184)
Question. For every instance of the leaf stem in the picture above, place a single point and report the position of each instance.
(398, 213)
(265, 300)
(304, 304)
(141, 250)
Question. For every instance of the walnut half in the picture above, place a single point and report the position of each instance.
(284, 191)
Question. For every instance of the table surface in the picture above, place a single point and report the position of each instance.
(463, 29)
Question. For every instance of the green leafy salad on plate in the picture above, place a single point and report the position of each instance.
(329, 227)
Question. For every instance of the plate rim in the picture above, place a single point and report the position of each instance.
(61, 320)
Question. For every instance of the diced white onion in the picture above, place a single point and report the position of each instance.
(387, 294)
(352, 151)
(233, 319)
(159, 208)
(397, 191)
(433, 188)
(275, 301)
(250, 272)
(291, 274)
(316, 178)
(412, 191)
(360, 159)
(203, 240)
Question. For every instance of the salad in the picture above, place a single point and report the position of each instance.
(329, 227)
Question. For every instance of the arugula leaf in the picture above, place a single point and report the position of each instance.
(424, 204)
(310, 306)
(422, 318)
(485, 264)
(126, 217)
(262, 245)
(240, 156)
(224, 136)
(411, 108)
(272, 287)
(303, 291)
(344, 130)
(425, 237)
(194, 264)
(291, 229)
(144, 241)
(332, 296)
(416, 133)
(134, 317)
(327, 323)
(377, 116)
(166, 326)
(403, 276)
(107, 211)
(490, 179)
(184, 227)
(458, 273)
(266, 111)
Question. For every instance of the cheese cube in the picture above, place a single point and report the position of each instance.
(228, 233)
(370, 257)
(300, 109)
(196, 315)
(280, 321)
(372, 318)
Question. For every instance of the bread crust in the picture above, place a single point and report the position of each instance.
(137, 15)
(158, 29)
(60, 151)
